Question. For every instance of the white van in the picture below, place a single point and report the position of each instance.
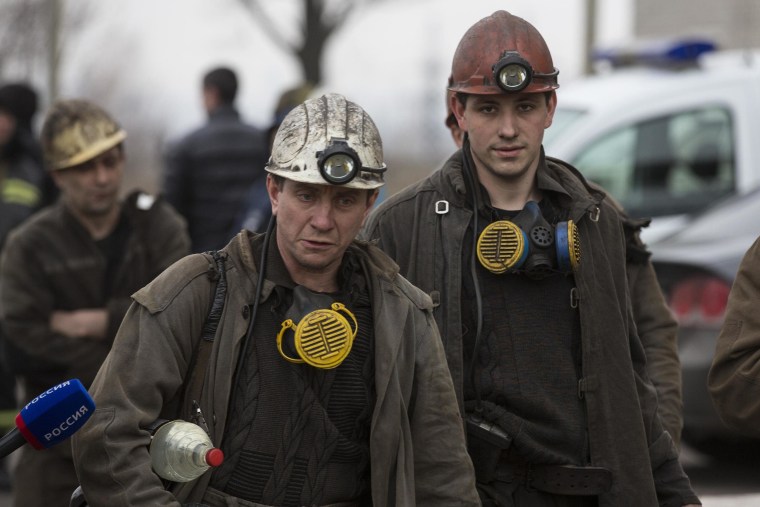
(669, 136)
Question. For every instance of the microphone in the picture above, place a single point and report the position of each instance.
(50, 418)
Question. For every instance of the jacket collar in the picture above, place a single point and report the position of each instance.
(565, 182)
(249, 245)
(223, 112)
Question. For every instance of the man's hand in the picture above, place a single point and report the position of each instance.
(86, 323)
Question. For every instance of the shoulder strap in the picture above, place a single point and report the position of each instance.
(193, 385)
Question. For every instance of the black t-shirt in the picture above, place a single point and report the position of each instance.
(298, 434)
(529, 354)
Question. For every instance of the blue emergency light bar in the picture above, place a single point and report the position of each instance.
(660, 53)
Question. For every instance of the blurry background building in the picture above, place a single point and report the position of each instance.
(731, 23)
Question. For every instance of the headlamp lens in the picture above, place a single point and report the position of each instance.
(513, 76)
(339, 168)
(512, 72)
(338, 163)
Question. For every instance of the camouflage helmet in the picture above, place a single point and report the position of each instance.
(329, 140)
(502, 53)
(76, 131)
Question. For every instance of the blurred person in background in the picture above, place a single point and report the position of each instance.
(369, 419)
(734, 379)
(25, 187)
(657, 328)
(257, 209)
(23, 101)
(526, 264)
(288, 100)
(68, 272)
(209, 172)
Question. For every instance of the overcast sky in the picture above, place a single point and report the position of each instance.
(393, 57)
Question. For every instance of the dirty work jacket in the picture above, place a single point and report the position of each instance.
(655, 324)
(734, 379)
(417, 446)
(423, 227)
(52, 263)
(659, 336)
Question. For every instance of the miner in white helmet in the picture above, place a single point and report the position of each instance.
(311, 363)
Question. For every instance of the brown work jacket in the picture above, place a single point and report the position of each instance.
(734, 379)
(52, 263)
(417, 444)
(423, 227)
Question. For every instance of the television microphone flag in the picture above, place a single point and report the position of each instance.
(54, 415)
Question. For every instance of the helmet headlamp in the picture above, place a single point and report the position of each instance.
(339, 163)
(512, 72)
(342, 147)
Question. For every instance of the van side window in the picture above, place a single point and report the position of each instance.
(680, 163)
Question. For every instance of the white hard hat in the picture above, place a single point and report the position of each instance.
(329, 140)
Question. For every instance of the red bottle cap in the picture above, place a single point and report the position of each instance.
(214, 457)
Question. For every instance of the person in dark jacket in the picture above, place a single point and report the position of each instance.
(22, 102)
(68, 271)
(209, 172)
(734, 379)
(324, 381)
(526, 264)
(257, 210)
(22, 180)
(25, 187)
(656, 326)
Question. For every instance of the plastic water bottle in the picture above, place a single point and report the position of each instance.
(181, 451)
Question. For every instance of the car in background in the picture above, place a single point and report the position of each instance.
(696, 267)
(669, 131)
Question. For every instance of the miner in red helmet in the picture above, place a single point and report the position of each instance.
(526, 264)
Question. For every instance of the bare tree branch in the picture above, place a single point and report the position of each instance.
(334, 20)
(33, 35)
(22, 22)
(268, 25)
(319, 21)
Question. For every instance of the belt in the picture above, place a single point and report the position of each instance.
(214, 497)
(557, 479)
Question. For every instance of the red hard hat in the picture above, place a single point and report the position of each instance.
(502, 53)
